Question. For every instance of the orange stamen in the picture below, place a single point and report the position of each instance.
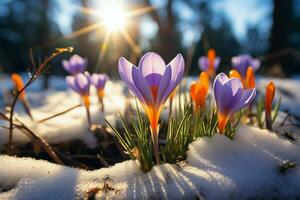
(222, 122)
(270, 93)
(199, 90)
(18, 82)
(249, 79)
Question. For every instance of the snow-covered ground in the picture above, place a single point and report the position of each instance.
(70, 126)
(216, 168)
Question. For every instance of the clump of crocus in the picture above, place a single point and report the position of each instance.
(242, 62)
(99, 81)
(80, 83)
(209, 63)
(76, 64)
(269, 97)
(19, 85)
(199, 91)
(152, 83)
(230, 97)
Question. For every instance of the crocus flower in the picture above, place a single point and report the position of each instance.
(230, 97)
(152, 83)
(19, 85)
(248, 81)
(99, 81)
(199, 91)
(243, 61)
(76, 64)
(209, 63)
(80, 83)
(269, 97)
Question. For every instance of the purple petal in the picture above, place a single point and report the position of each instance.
(227, 92)
(142, 85)
(217, 62)
(99, 80)
(255, 64)
(247, 97)
(203, 63)
(177, 69)
(152, 63)
(79, 83)
(125, 71)
(164, 84)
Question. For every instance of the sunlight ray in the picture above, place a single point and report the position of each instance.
(84, 30)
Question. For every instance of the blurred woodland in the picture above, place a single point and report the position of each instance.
(33, 24)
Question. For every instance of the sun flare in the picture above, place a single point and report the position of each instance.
(113, 15)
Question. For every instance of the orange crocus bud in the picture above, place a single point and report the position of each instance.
(18, 82)
(269, 97)
(235, 74)
(249, 79)
(211, 55)
(199, 90)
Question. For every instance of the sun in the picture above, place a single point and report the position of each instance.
(113, 15)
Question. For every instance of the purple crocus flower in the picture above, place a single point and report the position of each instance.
(230, 97)
(209, 63)
(80, 83)
(152, 83)
(243, 61)
(99, 80)
(75, 64)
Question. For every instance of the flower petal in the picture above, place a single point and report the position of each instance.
(203, 63)
(152, 63)
(125, 70)
(247, 97)
(177, 69)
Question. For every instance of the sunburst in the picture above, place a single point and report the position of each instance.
(113, 17)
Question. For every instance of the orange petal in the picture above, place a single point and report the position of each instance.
(204, 79)
(193, 91)
(235, 74)
(211, 54)
(269, 97)
(222, 122)
(250, 78)
(18, 82)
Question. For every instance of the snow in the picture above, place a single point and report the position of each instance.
(72, 125)
(216, 168)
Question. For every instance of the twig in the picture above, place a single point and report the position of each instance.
(58, 114)
(35, 75)
(22, 127)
